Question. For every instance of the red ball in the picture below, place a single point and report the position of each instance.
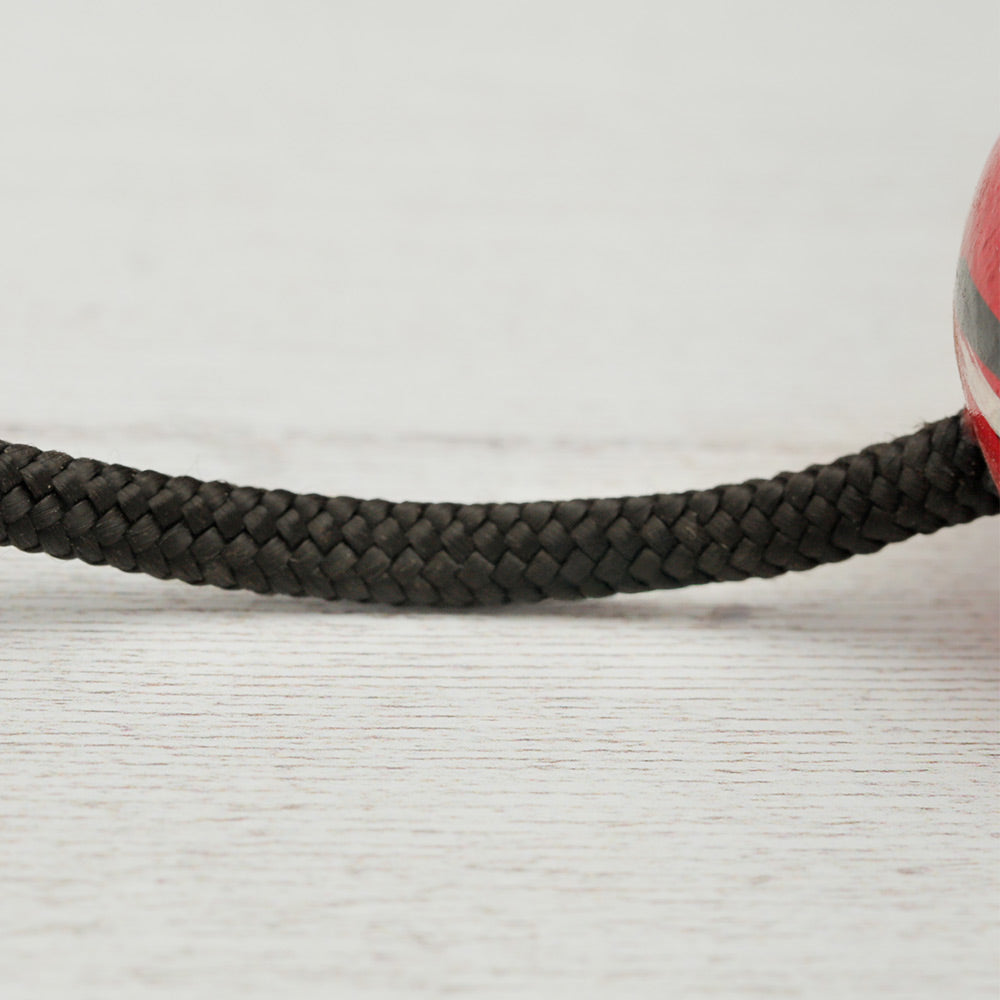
(977, 313)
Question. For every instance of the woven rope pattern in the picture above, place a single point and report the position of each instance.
(277, 542)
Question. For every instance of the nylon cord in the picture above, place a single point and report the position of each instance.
(447, 554)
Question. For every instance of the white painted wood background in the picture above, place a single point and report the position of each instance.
(493, 251)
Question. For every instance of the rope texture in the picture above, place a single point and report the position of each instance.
(446, 554)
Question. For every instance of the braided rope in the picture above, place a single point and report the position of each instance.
(277, 542)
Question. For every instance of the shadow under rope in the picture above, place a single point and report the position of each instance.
(949, 597)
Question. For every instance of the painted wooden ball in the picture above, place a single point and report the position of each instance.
(977, 313)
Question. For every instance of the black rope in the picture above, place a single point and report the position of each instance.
(277, 542)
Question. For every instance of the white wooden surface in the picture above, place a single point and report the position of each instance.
(471, 251)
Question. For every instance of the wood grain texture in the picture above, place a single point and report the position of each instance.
(467, 252)
(763, 789)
